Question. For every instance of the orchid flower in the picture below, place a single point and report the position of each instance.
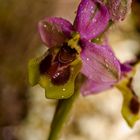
(75, 49)
(71, 51)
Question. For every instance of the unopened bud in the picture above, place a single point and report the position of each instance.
(119, 9)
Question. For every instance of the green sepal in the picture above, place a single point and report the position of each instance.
(33, 71)
(128, 95)
(61, 91)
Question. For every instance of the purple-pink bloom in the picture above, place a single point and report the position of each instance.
(119, 9)
(100, 65)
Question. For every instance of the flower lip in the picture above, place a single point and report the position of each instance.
(66, 54)
(134, 105)
(60, 77)
(56, 65)
(45, 63)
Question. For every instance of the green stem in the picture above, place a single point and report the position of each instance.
(62, 112)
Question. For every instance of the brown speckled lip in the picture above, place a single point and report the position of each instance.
(66, 54)
(61, 76)
(57, 65)
(45, 64)
(134, 105)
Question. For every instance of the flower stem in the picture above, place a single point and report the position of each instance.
(62, 112)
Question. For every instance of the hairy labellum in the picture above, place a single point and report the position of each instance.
(134, 104)
(45, 64)
(61, 76)
(57, 65)
(66, 55)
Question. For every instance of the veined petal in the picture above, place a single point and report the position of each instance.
(119, 8)
(92, 18)
(93, 87)
(54, 31)
(100, 64)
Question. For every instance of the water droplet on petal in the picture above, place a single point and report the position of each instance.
(62, 96)
(61, 76)
(56, 75)
(94, 20)
(105, 61)
(92, 11)
(106, 65)
(72, 69)
(64, 89)
(44, 25)
(91, 7)
(114, 59)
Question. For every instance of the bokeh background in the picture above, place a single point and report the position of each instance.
(25, 113)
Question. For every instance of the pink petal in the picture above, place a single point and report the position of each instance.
(92, 18)
(93, 87)
(54, 31)
(125, 68)
(100, 64)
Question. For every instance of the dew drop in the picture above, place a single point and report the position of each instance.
(44, 25)
(56, 75)
(97, 39)
(64, 89)
(114, 58)
(91, 7)
(106, 61)
(62, 96)
(53, 28)
(72, 69)
(87, 59)
(92, 11)
(106, 65)
(114, 14)
(94, 20)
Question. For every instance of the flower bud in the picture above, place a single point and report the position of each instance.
(119, 9)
